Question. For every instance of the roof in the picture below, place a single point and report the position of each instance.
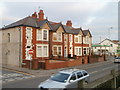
(98, 45)
(113, 41)
(85, 32)
(27, 21)
(69, 71)
(55, 26)
(33, 22)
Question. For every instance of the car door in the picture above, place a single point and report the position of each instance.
(86, 76)
(80, 76)
(72, 81)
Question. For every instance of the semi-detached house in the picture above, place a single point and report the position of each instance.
(36, 38)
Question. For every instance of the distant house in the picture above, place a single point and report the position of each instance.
(36, 38)
(107, 46)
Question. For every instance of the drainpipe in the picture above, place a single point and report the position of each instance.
(19, 29)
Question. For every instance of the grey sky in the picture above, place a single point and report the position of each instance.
(97, 16)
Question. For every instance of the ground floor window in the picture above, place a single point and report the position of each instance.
(78, 51)
(42, 50)
(57, 50)
(86, 51)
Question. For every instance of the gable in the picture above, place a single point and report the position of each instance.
(60, 29)
(88, 34)
(46, 26)
(80, 33)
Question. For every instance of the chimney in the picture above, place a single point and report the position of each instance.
(41, 15)
(34, 15)
(69, 23)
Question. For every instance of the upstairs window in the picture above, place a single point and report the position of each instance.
(80, 38)
(44, 34)
(65, 37)
(8, 37)
(54, 36)
(39, 35)
(76, 39)
(57, 36)
(70, 38)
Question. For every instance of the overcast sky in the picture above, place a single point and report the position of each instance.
(96, 15)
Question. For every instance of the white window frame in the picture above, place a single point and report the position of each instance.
(57, 49)
(86, 51)
(28, 33)
(79, 37)
(70, 36)
(42, 37)
(77, 53)
(42, 55)
(87, 40)
(57, 36)
(38, 34)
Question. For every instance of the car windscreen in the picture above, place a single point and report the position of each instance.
(117, 58)
(60, 77)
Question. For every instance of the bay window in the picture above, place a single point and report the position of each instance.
(57, 50)
(78, 39)
(57, 36)
(42, 34)
(42, 50)
(78, 51)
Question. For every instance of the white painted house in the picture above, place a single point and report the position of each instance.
(106, 46)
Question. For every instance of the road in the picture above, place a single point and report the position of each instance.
(11, 75)
(96, 71)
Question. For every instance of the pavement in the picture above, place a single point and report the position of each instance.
(41, 72)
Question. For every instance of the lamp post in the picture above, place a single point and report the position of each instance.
(110, 28)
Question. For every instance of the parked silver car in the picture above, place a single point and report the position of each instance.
(117, 60)
(65, 79)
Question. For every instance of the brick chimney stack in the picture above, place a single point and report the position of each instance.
(41, 15)
(34, 15)
(69, 23)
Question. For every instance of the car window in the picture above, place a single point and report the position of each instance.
(60, 77)
(84, 73)
(79, 75)
(73, 77)
(117, 58)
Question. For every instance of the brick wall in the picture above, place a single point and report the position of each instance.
(64, 64)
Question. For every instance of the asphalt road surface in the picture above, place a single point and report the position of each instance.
(10, 75)
(96, 71)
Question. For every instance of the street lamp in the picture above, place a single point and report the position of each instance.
(109, 36)
(109, 32)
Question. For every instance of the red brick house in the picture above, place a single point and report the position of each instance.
(42, 39)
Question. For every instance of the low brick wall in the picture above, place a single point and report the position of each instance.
(93, 59)
(64, 64)
(47, 64)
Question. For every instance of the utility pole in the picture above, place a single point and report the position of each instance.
(109, 36)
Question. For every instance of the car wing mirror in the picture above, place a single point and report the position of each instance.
(71, 81)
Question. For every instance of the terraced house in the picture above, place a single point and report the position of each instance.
(34, 38)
